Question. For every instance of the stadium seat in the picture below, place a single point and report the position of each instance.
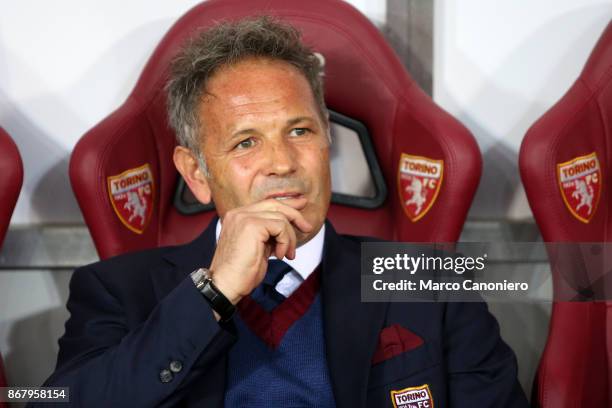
(11, 178)
(426, 164)
(564, 167)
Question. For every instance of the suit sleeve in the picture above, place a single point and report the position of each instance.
(482, 369)
(105, 364)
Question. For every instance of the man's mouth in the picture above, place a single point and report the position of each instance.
(285, 196)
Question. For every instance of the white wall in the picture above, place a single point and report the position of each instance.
(498, 66)
(63, 68)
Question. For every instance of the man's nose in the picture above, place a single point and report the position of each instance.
(281, 158)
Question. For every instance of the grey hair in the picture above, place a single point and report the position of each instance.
(226, 44)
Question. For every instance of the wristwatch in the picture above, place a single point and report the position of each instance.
(202, 279)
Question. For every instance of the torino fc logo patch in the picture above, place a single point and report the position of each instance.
(132, 194)
(419, 180)
(414, 397)
(580, 184)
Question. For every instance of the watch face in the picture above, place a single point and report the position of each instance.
(198, 277)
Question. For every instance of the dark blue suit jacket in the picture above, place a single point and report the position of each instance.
(132, 315)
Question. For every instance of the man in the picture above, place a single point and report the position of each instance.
(158, 328)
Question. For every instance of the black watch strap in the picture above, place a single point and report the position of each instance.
(214, 297)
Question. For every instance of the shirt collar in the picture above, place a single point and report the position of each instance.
(307, 256)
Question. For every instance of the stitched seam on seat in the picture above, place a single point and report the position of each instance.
(604, 77)
(607, 132)
(158, 190)
(393, 185)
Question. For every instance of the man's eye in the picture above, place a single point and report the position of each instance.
(299, 131)
(245, 144)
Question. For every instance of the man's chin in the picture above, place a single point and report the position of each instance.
(304, 237)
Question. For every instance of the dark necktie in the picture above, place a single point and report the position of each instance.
(266, 294)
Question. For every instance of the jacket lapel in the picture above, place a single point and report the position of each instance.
(351, 327)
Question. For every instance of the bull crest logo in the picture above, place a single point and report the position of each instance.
(580, 185)
(131, 195)
(419, 180)
(137, 206)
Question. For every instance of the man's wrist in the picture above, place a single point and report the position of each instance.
(221, 305)
(224, 288)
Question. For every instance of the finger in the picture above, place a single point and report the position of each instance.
(286, 243)
(282, 233)
(270, 215)
(289, 251)
(294, 216)
(273, 215)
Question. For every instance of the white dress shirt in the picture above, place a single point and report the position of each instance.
(307, 258)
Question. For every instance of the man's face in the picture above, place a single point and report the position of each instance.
(262, 137)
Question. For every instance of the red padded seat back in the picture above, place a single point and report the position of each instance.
(364, 80)
(565, 167)
(11, 179)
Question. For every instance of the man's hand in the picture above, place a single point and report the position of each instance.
(250, 235)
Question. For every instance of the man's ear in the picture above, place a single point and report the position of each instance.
(187, 164)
